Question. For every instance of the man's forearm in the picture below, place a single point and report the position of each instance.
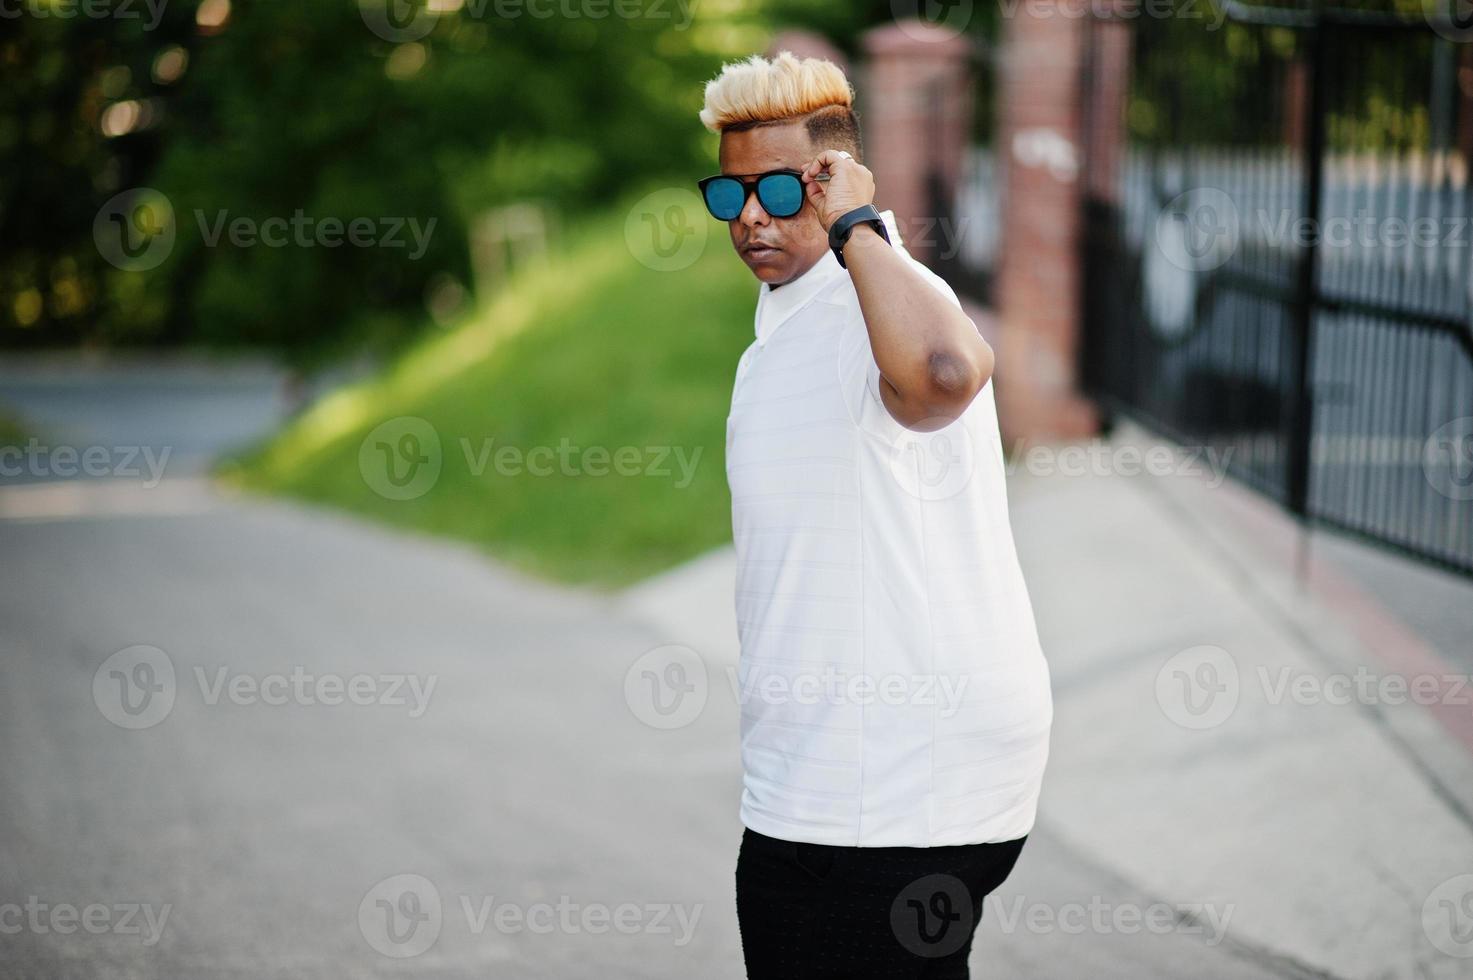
(928, 351)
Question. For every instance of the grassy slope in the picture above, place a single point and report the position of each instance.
(11, 432)
(592, 347)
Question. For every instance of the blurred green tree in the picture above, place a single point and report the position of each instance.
(324, 111)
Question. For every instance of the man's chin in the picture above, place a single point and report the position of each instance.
(774, 269)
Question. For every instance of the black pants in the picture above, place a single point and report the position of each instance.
(817, 911)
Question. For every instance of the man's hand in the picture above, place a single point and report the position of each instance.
(932, 361)
(850, 185)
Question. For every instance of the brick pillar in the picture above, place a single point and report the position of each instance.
(916, 102)
(1037, 291)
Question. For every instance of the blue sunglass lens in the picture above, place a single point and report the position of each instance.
(725, 198)
(781, 195)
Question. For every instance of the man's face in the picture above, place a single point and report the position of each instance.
(777, 250)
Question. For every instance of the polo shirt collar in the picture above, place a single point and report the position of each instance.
(776, 306)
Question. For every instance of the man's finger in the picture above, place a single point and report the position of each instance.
(828, 158)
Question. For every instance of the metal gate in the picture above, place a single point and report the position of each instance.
(1277, 255)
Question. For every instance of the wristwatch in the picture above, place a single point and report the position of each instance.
(844, 227)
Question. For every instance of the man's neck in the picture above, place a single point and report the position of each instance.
(798, 276)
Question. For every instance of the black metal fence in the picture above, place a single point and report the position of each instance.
(1279, 227)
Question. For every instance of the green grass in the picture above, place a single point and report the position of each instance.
(11, 431)
(591, 347)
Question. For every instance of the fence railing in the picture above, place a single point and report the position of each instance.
(1280, 264)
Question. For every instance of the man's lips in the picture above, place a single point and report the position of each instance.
(760, 250)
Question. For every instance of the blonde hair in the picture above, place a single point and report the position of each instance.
(758, 91)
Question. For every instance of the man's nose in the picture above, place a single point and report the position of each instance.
(754, 215)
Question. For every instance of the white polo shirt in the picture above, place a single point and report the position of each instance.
(893, 689)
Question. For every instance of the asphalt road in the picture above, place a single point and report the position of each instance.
(248, 739)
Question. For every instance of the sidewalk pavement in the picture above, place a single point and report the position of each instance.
(1238, 731)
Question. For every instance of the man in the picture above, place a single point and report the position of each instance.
(896, 704)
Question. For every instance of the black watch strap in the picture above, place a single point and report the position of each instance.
(844, 227)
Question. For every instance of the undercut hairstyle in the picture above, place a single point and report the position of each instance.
(757, 92)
